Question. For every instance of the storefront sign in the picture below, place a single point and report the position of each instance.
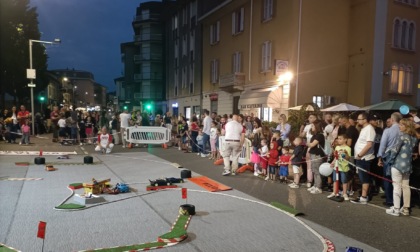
(248, 106)
(213, 97)
(281, 67)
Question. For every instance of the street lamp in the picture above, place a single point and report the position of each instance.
(31, 74)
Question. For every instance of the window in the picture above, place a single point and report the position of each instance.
(236, 62)
(266, 57)
(267, 10)
(318, 100)
(404, 34)
(184, 78)
(174, 22)
(411, 36)
(176, 83)
(214, 71)
(238, 21)
(401, 79)
(214, 33)
(396, 33)
(191, 79)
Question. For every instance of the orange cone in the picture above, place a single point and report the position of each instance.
(40, 152)
(244, 168)
(165, 146)
(218, 162)
(130, 145)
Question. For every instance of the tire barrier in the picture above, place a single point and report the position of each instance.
(39, 160)
(187, 209)
(185, 173)
(88, 160)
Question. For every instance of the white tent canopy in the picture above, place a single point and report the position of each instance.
(341, 107)
(308, 108)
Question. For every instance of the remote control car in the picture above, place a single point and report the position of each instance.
(159, 182)
(173, 180)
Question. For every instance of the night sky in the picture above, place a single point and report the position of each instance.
(91, 32)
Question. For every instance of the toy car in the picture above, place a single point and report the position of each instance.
(173, 180)
(159, 182)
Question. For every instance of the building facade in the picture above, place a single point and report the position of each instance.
(355, 51)
(144, 59)
(75, 88)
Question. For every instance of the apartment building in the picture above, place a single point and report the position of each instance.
(355, 51)
(183, 52)
(144, 60)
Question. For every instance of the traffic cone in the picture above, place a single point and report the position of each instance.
(40, 152)
(218, 161)
(244, 168)
(165, 146)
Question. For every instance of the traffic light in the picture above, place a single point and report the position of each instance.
(125, 107)
(41, 97)
(148, 107)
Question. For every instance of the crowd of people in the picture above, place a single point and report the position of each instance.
(364, 155)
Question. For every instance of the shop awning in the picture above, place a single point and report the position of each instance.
(254, 99)
(259, 98)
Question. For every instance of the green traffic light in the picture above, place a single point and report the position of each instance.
(125, 107)
(148, 106)
(42, 98)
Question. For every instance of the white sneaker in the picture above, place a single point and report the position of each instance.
(204, 155)
(346, 197)
(360, 200)
(267, 178)
(316, 191)
(309, 185)
(123, 146)
(293, 185)
(405, 211)
(310, 188)
(256, 174)
(225, 173)
(331, 195)
(179, 148)
(393, 211)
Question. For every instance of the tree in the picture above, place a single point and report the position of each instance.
(19, 24)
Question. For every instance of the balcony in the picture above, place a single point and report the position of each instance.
(148, 37)
(232, 82)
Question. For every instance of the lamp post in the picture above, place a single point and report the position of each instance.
(31, 74)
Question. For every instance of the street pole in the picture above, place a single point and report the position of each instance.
(32, 75)
(32, 89)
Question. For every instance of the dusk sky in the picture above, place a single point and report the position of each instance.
(90, 31)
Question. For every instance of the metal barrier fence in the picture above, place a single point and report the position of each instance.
(245, 156)
(147, 135)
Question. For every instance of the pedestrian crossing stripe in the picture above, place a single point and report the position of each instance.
(36, 153)
(22, 179)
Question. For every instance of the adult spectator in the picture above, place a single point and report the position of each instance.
(22, 115)
(234, 139)
(316, 150)
(284, 128)
(306, 133)
(194, 128)
(248, 126)
(402, 168)
(389, 140)
(376, 182)
(364, 154)
(350, 130)
(55, 116)
(167, 121)
(114, 129)
(206, 132)
(124, 123)
(12, 125)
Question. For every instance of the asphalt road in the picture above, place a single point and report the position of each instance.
(366, 223)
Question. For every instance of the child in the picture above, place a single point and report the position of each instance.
(343, 153)
(296, 160)
(89, 129)
(62, 131)
(255, 157)
(272, 155)
(263, 157)
(104, 141)
(219, 133)
(213, 136)
(276, 138)
(284, 161)
(25, 132)
(200, 141)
